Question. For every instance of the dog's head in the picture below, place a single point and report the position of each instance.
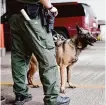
(85, 37)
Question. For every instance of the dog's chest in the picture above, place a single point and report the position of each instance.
(69, 53)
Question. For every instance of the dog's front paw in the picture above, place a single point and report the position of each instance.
(71, 85)
(62, 90)
(35, 86)
(75, 60)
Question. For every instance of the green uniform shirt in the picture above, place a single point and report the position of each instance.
(29, 1)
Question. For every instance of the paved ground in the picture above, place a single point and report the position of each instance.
(88, 75)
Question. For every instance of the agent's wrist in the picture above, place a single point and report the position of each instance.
(50, 7)
(53, 10)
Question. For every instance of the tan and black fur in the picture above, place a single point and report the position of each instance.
(67, 52)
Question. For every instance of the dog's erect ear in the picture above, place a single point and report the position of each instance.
(78, 29)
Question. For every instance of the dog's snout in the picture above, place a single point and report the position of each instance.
(94, 39)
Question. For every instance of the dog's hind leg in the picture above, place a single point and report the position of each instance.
(30, 75)
(69, 69)
(29, 78)
(32, 70)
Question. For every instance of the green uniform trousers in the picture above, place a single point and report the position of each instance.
(31, 37)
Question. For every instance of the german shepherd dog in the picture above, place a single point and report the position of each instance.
(67, 52)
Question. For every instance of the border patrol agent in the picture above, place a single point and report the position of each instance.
(27, 40)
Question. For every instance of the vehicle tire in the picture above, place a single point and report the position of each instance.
(63, 33)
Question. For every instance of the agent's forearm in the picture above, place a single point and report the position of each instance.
(46, 3)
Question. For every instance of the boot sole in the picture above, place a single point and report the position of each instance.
(67, 103)
(29, 99)
(22, 102)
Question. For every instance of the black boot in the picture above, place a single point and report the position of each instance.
(63, 100)
(20, 99)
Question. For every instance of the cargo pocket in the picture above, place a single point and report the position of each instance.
(39, 34)
(49, 41)
(36, 32)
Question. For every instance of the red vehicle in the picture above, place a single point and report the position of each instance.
(72, 13)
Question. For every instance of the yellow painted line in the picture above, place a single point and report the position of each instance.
(90, 86)
(78, 86)
(11, 83)
(6, 83)
(3, 83)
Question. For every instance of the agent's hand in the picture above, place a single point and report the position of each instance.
(54, 10)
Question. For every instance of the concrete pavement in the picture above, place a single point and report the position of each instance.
(88, 75)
